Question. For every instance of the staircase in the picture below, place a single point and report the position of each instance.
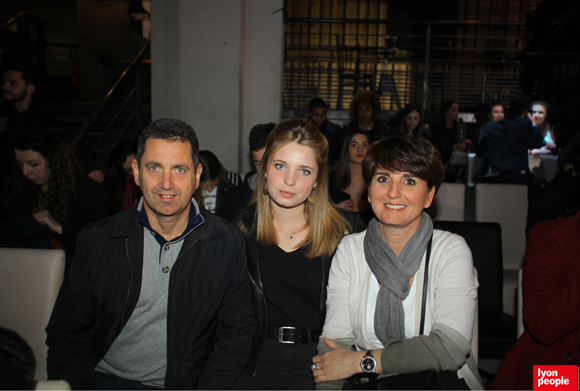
(93, 130)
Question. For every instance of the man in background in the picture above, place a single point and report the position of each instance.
(19, 109)
(236, 200)
(508, 142)
(317, 109)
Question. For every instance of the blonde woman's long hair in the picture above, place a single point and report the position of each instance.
(326, 226)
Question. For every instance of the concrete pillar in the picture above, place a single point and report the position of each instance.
(218, 66)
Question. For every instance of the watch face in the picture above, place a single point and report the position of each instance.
(368, 364)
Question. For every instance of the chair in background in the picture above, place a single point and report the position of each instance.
(497, 330)
(349, 70)
(29, 283)
(548, 167)
(449, 203)
(506, 204)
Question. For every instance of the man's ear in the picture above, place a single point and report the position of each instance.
(30, 89)
(198, 172)
(135, 168)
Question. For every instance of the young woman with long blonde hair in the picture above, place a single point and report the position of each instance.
(292, 231)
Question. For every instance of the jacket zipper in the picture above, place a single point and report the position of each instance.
(129, 290)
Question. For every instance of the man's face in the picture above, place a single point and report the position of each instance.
(14, 88)
(167, 177)
(257, 157)
(318, 116)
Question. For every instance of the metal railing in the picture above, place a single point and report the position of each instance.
(425, 62)
(130, 96)
(23, 37)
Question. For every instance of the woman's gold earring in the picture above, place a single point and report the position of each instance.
(311, 200)
(265, 189)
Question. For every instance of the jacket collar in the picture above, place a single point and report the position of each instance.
(126, 224)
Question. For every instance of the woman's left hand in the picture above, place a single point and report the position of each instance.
(45, 218)
(340, 363)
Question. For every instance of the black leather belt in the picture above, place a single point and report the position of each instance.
(289, 334)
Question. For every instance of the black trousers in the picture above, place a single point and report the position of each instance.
(281, 367)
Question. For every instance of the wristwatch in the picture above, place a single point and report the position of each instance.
(368, 362)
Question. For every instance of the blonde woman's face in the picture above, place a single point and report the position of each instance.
(291, 176)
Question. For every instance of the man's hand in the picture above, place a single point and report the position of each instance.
(340, 363)
(97, 176)
(45, 218)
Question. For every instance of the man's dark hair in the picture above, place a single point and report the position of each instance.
(171, 130)
(29, 75)
(317, 102)
(259, 134)
(519, 104)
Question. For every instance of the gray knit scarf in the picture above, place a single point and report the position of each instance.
(394, 272)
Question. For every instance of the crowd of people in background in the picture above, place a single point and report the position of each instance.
(323, 205)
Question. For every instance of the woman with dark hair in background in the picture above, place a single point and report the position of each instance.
(365, 111)
(410, 121)
(49, 185)
(347, 188)
(539, 114)
(215, 182)
(291, 231)
(449, 137)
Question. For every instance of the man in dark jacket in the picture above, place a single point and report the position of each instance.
(508, 142)
(158, 295)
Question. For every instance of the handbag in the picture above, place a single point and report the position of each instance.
(424, 380)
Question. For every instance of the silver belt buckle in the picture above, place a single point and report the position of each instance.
(281, 334)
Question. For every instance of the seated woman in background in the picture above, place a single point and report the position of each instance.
(378, 279)
(117, 179)
(539, 115)
(291, 232)
(494, 112)
(347, 188)
(49, 185)
(551, 287)
(449, 137)
(410, 121)
(365, 111)
(215, 181)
